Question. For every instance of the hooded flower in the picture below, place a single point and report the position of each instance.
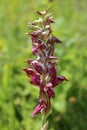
(34, 76)
(39, 67)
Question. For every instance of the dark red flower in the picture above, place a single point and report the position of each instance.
(39, 108)
(39, 67)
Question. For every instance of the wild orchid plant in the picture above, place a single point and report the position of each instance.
(42, 71)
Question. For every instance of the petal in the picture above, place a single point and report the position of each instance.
(34, 39)
(49, 20)
(49, 90)
(38, 49)
(51, 50)
(30, 72)
(53, 40)
(42, 46)
(56, 40)
(36, 22)
(35, 33)
(42, 50)
(62, 78)
(40, 107)
(37, 110)
(39, 67)
(51, 71)
(51, 93)
(47, 86)
(53, 59)
(42, 13)
(59, 79)
(35, 80)
(46, 33)
(34, 50)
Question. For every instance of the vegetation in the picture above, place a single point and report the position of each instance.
(17, 96)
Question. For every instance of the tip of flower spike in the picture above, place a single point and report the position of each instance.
(42, 13)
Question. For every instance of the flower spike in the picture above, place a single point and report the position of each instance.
(42, 71)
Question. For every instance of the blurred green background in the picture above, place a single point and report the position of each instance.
(17, 97)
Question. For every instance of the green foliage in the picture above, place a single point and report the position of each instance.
(17, 96)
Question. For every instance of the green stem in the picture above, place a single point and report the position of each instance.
(44, 123)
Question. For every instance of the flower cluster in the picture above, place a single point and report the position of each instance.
(42, 71)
